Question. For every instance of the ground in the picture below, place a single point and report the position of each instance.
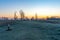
(31, 30)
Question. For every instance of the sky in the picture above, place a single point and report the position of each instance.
(30, 7)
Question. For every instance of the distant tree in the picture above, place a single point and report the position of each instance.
(36, 16)
(4, 18)
(26, 18)
(32, 18)
(47, 17)
(22, 15)
(15, 16)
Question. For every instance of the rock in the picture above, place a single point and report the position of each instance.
(9, 29)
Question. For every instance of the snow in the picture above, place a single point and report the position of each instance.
(31, 30)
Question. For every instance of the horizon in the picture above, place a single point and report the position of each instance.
(43, 8)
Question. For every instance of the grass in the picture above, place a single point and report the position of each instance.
(31, 30)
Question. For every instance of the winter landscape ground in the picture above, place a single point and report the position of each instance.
(31, 30)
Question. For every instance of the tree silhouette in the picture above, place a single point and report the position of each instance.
(15, 16)
(36, 16)
(22, 15)
(32, 18)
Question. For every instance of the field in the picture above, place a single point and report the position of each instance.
(31, 30)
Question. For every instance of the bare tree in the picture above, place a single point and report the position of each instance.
(22, 15)
(32, 18)
(36, 17)
(15, 16)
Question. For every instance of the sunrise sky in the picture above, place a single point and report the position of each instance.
(30, 7)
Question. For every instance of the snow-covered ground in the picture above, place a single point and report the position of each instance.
(31, 30)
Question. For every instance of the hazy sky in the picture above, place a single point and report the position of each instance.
(30, 7)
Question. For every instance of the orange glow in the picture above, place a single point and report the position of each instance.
(28, 16)
(31, 14)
